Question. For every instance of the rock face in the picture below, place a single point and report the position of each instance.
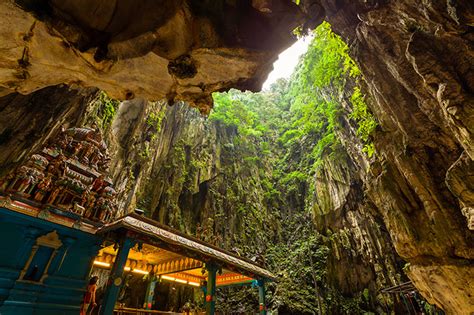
(205, 182)
(179, 50)
(417, 59)
(27, 122)
(361, 255)
(192, 173)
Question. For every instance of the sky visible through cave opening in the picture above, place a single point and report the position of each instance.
(287, 61)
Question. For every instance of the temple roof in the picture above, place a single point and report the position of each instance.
(151, 232)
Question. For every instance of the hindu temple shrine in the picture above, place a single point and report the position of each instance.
(60, 211)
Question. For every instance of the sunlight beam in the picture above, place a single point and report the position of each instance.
(287, 61)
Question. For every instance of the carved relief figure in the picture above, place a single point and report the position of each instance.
(42, 188)
(54, 194)
(69, 174)
(27, 180)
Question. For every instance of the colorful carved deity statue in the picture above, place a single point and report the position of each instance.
(54, 194)
(76, 149)
(28, 177)
(43, 187)
(89, 204)
(62, 140)
(87, 152)
(95, 159)
(95, 136)
(25, 179)
(58, 165)
(98, 184)
(69, 174)
(69, 147)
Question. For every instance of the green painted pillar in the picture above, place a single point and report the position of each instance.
(150, 292)
(116, 277)
(211, 288)
(262, 307)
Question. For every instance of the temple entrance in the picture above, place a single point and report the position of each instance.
(148, 282)
(148, 268)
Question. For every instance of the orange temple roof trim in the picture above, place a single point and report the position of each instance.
(148, 229)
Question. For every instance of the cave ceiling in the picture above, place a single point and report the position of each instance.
(155, 49)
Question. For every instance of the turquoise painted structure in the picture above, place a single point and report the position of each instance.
(150, 293)
(211, 288)
(51, 206)
(44, 266)
(262, 306)
(116, 278)
(56, 212)
(233, 270)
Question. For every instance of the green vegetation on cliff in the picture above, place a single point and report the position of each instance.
(244, 178)
(106, 108)
(286, 133)
(306, 106)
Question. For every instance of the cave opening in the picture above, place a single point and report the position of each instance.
(346, 171)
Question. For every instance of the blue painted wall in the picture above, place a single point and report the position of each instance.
(62, 291)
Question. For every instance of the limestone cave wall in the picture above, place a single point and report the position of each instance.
(27, 122)
(195, 175)
(417, 61)
(150, 49)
